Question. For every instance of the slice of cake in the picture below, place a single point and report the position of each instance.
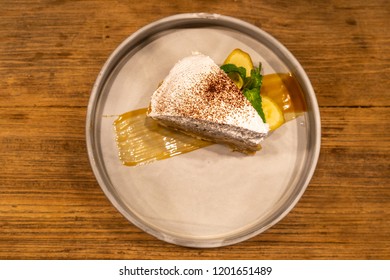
(198, 98)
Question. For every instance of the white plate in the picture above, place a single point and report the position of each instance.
(210, 197)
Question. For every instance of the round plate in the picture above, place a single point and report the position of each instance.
(212, 196)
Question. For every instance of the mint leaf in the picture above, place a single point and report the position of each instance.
(255, 79)
(229, 68)
(251, 87)
(253, 95)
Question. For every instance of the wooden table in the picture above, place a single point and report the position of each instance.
(51, 206)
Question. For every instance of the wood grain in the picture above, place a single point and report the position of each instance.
(51, 206)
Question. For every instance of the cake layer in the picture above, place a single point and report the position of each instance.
(198, 98)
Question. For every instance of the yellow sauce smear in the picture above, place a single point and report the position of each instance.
(285, 90)
(141, 140)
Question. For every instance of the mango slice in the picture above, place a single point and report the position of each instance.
(273, 113)
(236, 78)
(241, 59)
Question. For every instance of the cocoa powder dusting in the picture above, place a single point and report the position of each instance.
(202, 91)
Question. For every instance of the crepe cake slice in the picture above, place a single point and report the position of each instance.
(199, 99)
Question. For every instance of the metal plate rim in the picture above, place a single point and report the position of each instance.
(180, 20)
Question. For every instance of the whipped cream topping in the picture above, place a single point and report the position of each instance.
(196, 88)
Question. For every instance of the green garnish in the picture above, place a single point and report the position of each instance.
(251, 86)
(231, 68)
